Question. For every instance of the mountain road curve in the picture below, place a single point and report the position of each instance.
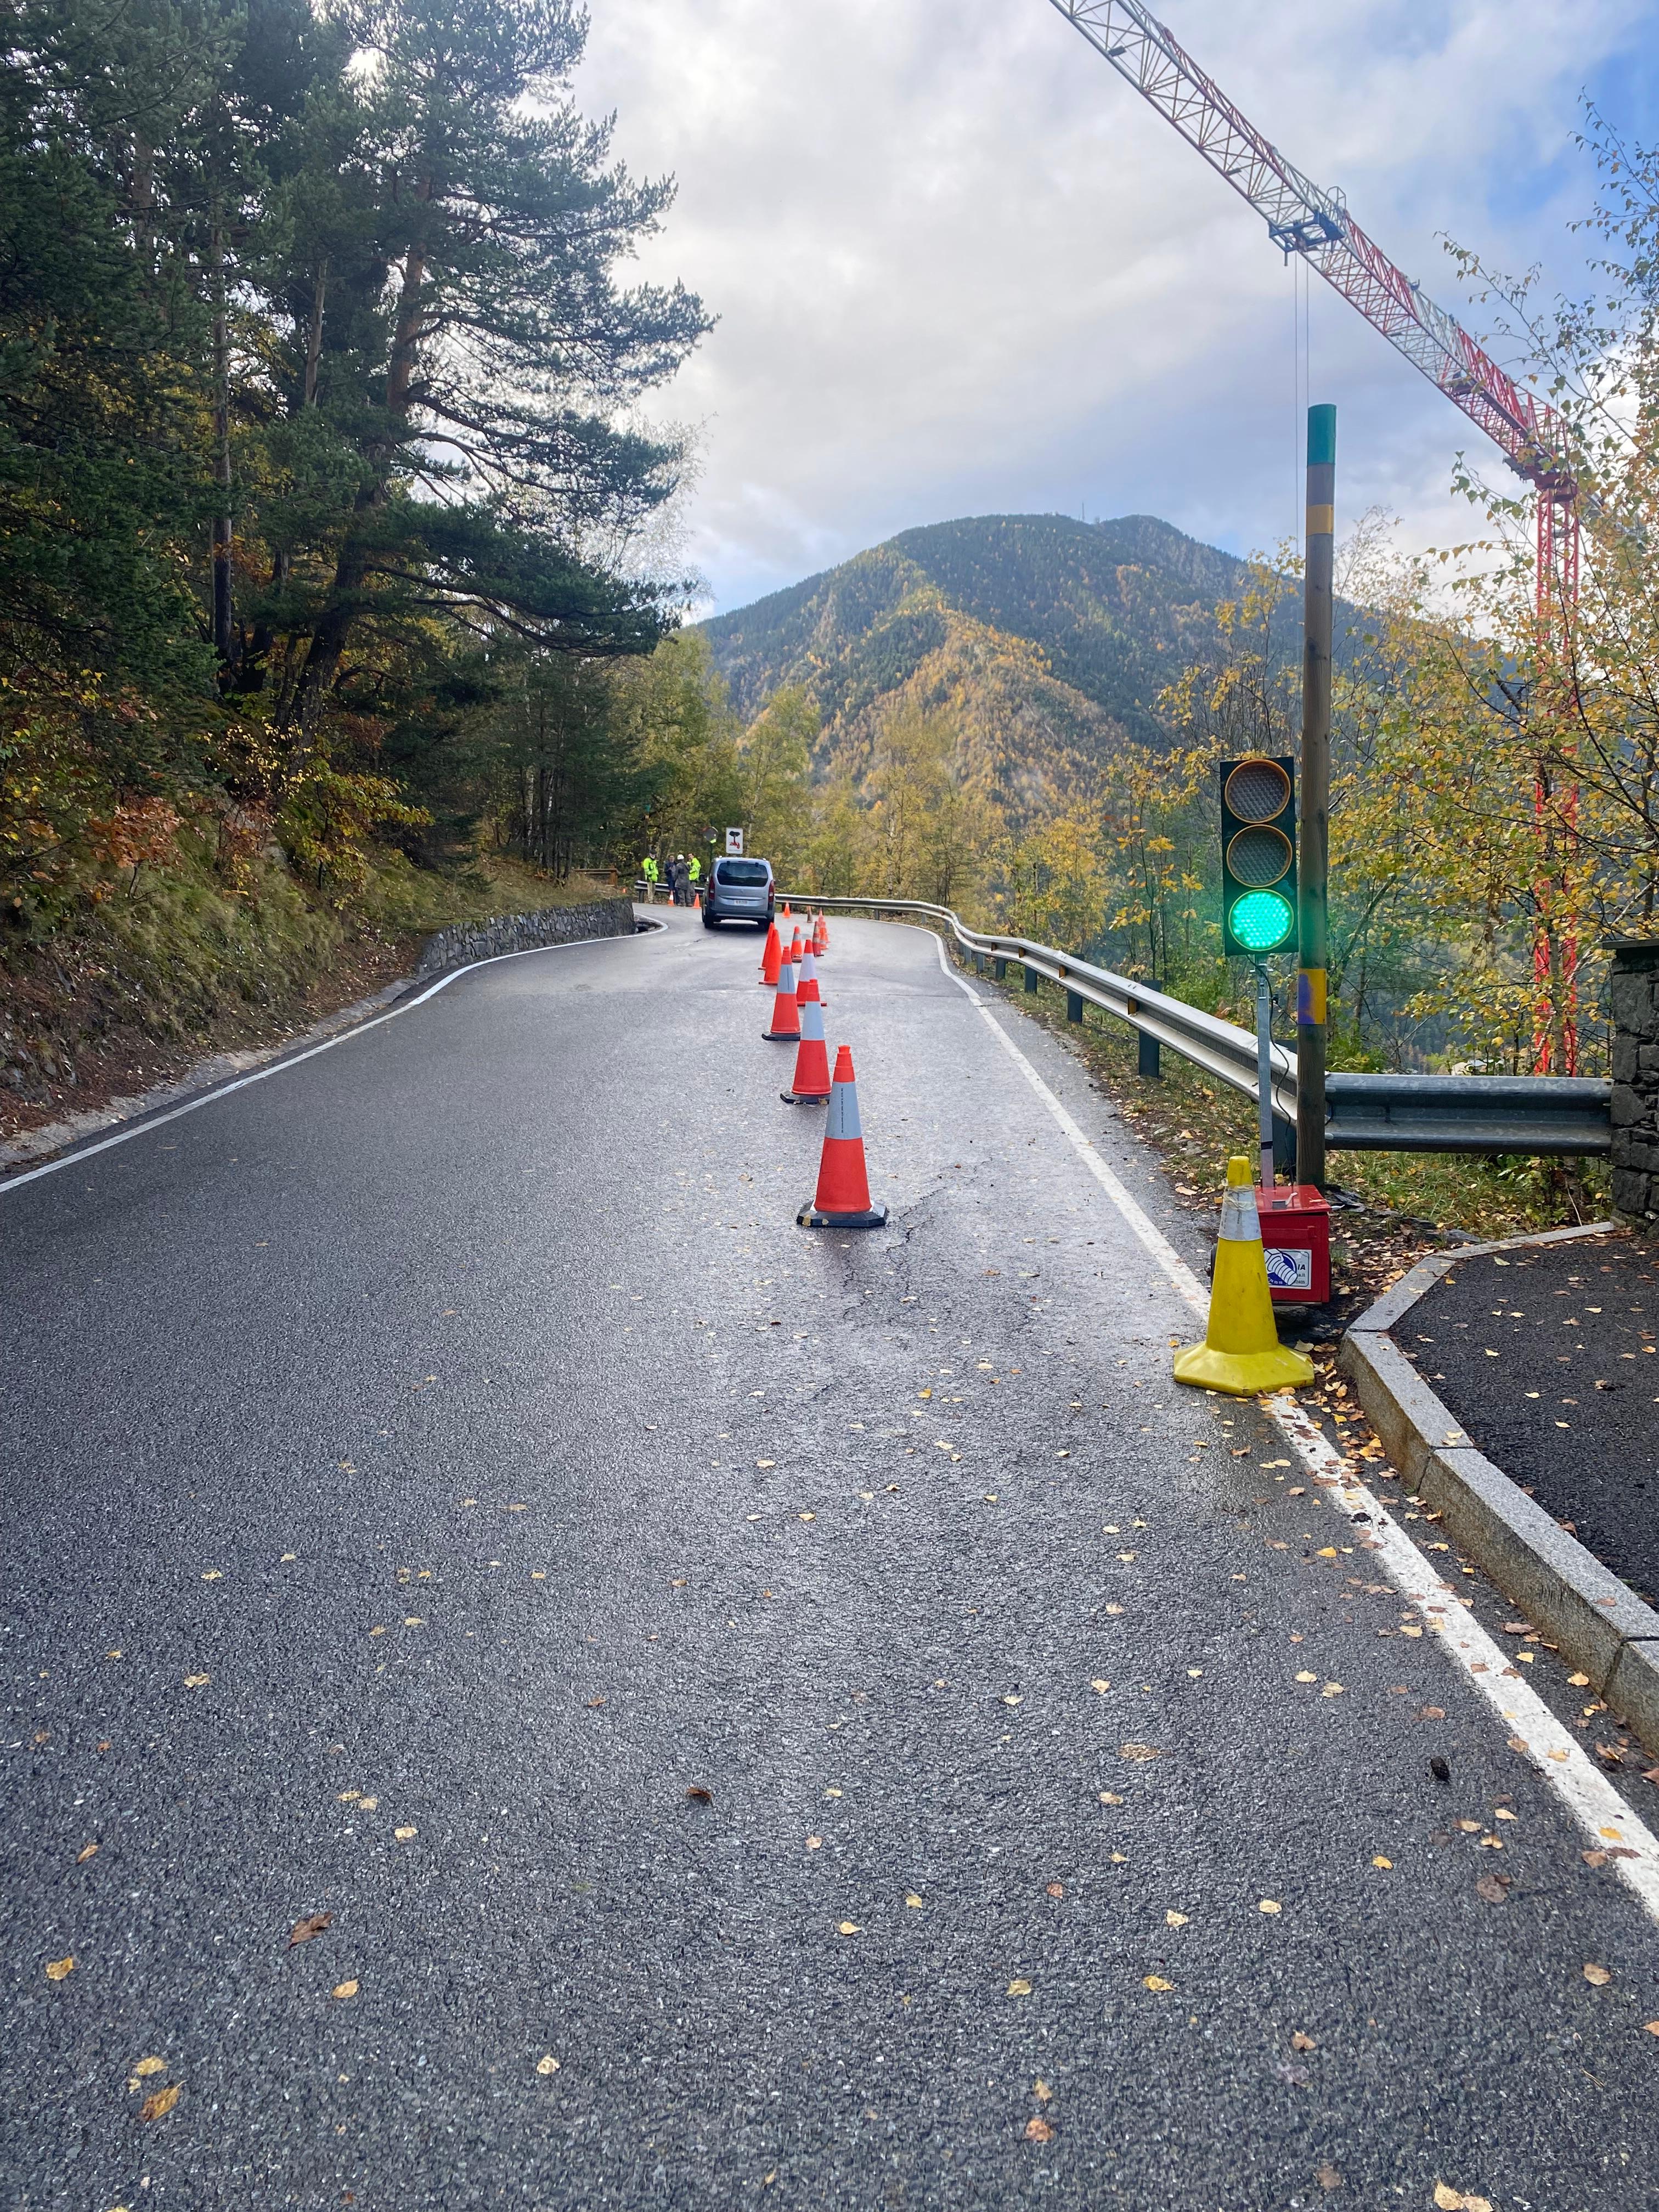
(731, 1714)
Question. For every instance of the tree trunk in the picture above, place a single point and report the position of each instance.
(224, 640)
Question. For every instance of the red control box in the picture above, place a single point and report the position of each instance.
(1296, 1236)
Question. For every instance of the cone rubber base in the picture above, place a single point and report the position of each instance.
(805, 1097)
(1242, 1374)
(781, 1037)
(810, 1217)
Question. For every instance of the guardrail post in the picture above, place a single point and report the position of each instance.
(998, 969)
(1634, 986)
(1074, 1006)
(1032, 979)
(1148, 1060)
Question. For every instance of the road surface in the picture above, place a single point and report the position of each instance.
(445, 1492)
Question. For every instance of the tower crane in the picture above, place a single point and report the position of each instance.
(1303, 218)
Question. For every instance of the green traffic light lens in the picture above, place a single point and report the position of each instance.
(1262, 921)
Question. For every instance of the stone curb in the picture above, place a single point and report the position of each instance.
(1599, 1624)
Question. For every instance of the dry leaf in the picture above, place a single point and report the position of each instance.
(1301, 2042)
(58, 1968)
(549, 2064)
(1598, 1976)
(1100, 1688)
(1269, 1904)
(814, 1843)
(1305, 1677)
(593, 1702)
(1156, 1982)
(197, 1681)
(1175, 1920)
(1110, 1797)
(1431, 1712)
(700, 1794)
(1018, 1989)
(914, 1902)
(156, 2106)
(1041, 2092)
(1139, 1751)
(1387, 1865)
(1494, 1888)
(1327, 2177)
(343, 1990)
(850, 1928)
(1038, 2130)
(89, 1851)
(1056, 1889)
(146, 2066)
(312, 1925)
(1652, 2026)
(404, 1835)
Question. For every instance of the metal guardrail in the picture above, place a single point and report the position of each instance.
(1365, 1112)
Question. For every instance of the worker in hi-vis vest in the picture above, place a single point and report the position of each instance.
(648, 870)
(696, 872)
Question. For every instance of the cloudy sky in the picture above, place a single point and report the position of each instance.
(961, 268)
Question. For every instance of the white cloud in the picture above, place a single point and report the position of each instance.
(960, 267)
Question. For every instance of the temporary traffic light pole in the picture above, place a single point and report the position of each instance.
(1264, 1070)
(1313, 871)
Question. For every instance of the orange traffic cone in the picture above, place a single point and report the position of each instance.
(843, 1194)
(696, 902)
(810, 1084)
(820, 935)
(772, 959)
(806, 983)
(786, 1015)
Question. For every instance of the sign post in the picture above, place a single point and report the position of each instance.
(734, 843)
(1313, 876)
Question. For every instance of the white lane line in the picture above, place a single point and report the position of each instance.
(280, 1066)
(1533, 1730)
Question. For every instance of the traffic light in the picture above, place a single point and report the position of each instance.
(1258, 856)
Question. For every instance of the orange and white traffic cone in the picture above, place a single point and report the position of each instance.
(820, 936)
(843, 1200)
(810, 1084)
(696, 902)
(786, 1014)
(772, 959)
(806, 983)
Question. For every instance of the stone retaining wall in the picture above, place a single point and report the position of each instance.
(523, 932)
(1634, 983)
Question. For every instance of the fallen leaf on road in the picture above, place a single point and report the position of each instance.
(1431, 1712)
(162, 2102)
(1332, 1689)
(1041, 2092)
(1579, 1681)
(548, 2064)
(593, 1703)
(89, 1851)
(1652, 2026)
(1100, 1688)
(1448, 2199)
(1038, 2130)
(1269, 1904)
(850, 1928)
(404, 1835)
(146, 2066)
(1494, 1888)
(213, 1574)
(1598, 1976)
(914, 1902)
(700, 1794)
(1011, 1701)
(58, 1969)
(1156, 1982)
(1301, 2042)
(1387, 1865)
(1018, 1989)
(1327, 2177)
(1110, 1797)
(1139, 1751)
(343, 1990)
(1305, 1677)
(197, 1681)
(1175, 1920)
(1056, 1889)
(312, 1925)
(1112, 1608)
(814, 1843)
(1469, 1827)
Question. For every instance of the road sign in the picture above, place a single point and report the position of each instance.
(1258, 855)
(734, 841)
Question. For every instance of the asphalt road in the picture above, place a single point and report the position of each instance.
(1542, 1355)
(425, 1467)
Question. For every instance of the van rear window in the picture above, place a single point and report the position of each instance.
(741, 872)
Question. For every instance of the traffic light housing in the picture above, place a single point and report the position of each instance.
(1258, 856)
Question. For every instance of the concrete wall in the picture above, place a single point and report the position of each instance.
(1635, 992)
(520, 932)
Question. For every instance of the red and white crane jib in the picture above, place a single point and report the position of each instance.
(1301, 218)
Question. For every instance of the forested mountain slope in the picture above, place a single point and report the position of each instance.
(1115, 609)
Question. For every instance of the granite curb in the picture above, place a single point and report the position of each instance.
(1598, 1623)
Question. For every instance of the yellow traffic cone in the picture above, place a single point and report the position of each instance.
(1240, 1353)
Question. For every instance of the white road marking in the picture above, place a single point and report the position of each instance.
(1532, 1728)
(143, 1129)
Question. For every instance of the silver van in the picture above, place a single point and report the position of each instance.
(740, 891)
